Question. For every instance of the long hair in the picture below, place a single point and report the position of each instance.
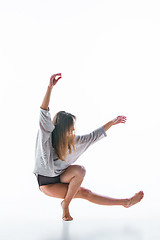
(63, 122)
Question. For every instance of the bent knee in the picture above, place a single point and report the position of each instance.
(85, 192)
(80, 171)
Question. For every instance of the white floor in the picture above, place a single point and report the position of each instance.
(39, 218)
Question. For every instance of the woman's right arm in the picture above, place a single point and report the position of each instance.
(53, 82)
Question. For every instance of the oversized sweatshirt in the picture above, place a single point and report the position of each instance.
(47, 162)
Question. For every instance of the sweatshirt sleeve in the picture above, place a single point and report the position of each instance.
(45, 122)
(88, 139)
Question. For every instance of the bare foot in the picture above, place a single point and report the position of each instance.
(135, 199)
(66, 215)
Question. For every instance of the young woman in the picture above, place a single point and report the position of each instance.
(57, 147)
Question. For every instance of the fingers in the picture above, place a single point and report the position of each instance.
(58, 74)
(53, 78)
(55, 75)
(122, 119)
(58, 78)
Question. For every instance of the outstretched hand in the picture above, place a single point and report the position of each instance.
(119, 119)
(53, 79)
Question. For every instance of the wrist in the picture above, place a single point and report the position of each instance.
(50, 87)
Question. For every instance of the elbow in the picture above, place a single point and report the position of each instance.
(44, 108)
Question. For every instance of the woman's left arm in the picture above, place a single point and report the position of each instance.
(119, 119)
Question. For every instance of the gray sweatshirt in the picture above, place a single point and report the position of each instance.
(46, 161)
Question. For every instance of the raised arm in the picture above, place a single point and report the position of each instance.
(119, 119)
(52, 82)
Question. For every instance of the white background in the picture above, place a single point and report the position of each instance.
(109, 55)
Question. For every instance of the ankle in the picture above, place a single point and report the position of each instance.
(65, 203)
(126, 202)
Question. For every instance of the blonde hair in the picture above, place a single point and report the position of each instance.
(63, 122)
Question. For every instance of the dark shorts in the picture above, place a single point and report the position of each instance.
(43, 180)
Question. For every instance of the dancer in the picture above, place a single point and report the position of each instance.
(57, 147)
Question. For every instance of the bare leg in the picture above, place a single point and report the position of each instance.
(72, 190)
(104, 200)
(59, 190)
(73, 187)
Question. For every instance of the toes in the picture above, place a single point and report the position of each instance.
(67, 218)
(141, 194)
